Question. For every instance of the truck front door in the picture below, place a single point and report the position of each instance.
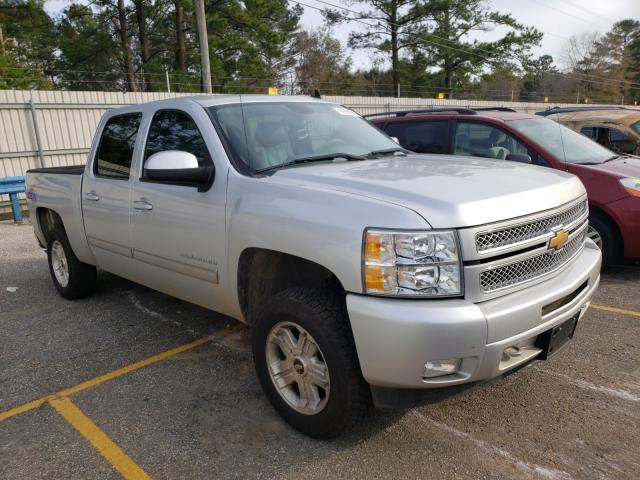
(178, 231)
(106, 190)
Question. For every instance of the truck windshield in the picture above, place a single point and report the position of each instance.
(269, 135)
(562, 142)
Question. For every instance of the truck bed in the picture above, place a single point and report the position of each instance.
(68, 170)
(59, 189)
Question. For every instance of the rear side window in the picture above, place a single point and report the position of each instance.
(617, 136)
(175, 130)
(420, 137)
(116, 146)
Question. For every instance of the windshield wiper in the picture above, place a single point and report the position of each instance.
(381, 153)
(315, 158)
(611, 158)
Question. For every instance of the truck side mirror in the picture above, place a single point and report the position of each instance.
(519, 157)
(175, 166)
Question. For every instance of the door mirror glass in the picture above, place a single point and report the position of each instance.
(519, 157)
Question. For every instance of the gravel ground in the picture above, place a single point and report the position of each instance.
(201, 413)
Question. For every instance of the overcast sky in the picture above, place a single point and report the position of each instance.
(558, 19)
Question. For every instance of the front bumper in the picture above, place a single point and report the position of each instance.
(395, 337)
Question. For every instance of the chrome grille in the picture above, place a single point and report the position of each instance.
(522, 271)
(526, 231)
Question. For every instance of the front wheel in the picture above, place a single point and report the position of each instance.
(307, 364)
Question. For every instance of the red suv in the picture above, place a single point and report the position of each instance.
(612, 180)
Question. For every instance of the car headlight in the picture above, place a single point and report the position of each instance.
(416, 263)
(631, 185)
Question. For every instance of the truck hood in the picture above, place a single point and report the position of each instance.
(447, 191)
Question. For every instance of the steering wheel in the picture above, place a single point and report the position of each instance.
(499, 153)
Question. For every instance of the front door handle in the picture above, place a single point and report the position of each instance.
(91, 196)
(142, 204)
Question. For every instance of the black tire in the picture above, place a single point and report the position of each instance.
(323, 315)
(81, 276)
(609, 237)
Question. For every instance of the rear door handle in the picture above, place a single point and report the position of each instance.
(91, 196)
(142, 204)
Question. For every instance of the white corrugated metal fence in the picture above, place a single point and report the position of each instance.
(49, 128)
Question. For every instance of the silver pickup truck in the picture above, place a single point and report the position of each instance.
(367, 273)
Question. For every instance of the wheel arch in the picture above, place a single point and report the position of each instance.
(609, 219)
(263, 272)
(47, 219)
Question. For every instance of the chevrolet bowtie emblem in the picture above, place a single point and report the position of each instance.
(559, 240)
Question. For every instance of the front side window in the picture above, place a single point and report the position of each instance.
(480, 140)
(562, 142)
(115, 151)
(420, 137)
(268, 135)
(175, 130)
(588, 132)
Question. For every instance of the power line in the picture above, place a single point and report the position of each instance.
(592, 12)
(569, 14)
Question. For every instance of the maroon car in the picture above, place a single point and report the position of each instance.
(612, 180)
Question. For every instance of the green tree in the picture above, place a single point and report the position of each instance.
(320, 62)
(88, 53)
(539, 80)
(29, 36)
(391, 26)
(449, 46)
(616, 51)
(19, 76)
(248, 41)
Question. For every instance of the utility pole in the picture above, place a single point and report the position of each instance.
(1, 41)
(204, 47)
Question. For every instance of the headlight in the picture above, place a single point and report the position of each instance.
(422, 263)
(631, 185)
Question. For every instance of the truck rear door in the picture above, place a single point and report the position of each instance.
(106, 192)
(178, 232)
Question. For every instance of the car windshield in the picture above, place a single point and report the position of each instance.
(269, 135)
(562, 142)
(636, 126)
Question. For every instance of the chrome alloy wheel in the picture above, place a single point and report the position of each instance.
(593, 234)
(59, 264)
(297, 368)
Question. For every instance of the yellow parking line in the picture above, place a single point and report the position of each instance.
(100, 441)
(114, 374)
(604, 308)
(22, 408)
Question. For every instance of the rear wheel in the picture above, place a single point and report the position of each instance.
(605, 237)
(306, 362)
(71, 277)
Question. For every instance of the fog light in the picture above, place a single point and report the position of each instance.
(439, 368)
